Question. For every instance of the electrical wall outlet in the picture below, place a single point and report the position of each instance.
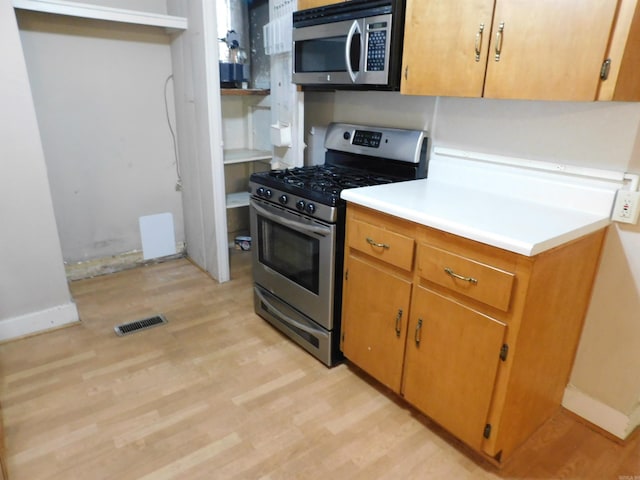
(626, 207)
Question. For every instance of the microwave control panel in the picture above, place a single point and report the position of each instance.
(376, 46)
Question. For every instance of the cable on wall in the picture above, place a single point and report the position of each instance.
(173, 135)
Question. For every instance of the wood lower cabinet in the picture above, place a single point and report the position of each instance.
(491, 335)
(451, 362)
(3, 460)
(374, 338)
(379, 291)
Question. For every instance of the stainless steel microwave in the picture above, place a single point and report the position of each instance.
(349, 45)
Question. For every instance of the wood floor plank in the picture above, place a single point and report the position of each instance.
(217, 393)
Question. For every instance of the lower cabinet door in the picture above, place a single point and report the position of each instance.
(452, 358)
(374, 321)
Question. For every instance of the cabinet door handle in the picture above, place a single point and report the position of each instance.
(398, 322)
(418, 334)
(479, 41)
(453, 274)
(372, 242)
(499, 41)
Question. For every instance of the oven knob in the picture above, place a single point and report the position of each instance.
(300, 205)
(283, 199)
(311, 208)
(268, 193)
(346, 135)
(260, 191)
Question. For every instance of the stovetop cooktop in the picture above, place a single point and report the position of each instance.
(356, 156)
(328, 178)
(321, 183)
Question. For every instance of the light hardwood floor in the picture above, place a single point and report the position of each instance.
(217, 393)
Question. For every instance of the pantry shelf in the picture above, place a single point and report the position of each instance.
(244, 91)
(238, 199)
(243, 155)
(84, 10)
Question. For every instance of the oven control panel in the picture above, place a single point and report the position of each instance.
(404, 145)
(367, 138)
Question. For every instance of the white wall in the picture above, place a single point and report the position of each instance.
(99, 92)
(605, 383)
(33, 288)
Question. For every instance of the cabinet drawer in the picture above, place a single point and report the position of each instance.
(466, 276)
(386, 245)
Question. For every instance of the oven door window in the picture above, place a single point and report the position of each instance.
(292, 254)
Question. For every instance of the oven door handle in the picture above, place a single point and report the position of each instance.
(324, 231)
(282, 316)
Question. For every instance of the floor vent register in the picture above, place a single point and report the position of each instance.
(137, 325)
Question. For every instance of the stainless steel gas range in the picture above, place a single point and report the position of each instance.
(297, 228)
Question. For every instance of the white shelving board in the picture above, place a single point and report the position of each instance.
(98, 12)
(238, 199)
(243, 155)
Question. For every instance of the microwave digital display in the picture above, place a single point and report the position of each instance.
(374, 26)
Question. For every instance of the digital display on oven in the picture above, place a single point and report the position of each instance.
(366, 138)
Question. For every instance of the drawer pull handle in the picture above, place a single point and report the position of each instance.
(460, 277)
(418, 334)
(398, 322)
(372, 242)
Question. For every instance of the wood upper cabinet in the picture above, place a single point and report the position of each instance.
(548, 50)
(441, 40)
(621, 81)
(304, 4)
(538, 50)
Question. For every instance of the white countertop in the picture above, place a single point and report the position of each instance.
(516, 204)
(513, 224)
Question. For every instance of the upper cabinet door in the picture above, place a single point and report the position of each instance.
(445, 47)
(548, 50)
(621, 79)
(304, 4)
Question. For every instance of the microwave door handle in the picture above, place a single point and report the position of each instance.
(355, 27)
(290, 223)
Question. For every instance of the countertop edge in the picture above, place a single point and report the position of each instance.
(494, 239)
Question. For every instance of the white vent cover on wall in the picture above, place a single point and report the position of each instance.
(158, 235)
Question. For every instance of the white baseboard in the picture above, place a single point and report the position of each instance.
(600, 414)
(39, 321)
